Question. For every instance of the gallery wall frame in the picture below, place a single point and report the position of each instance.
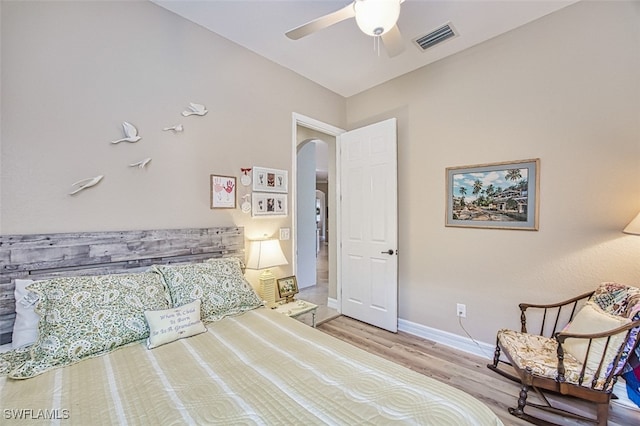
(270, 180)
(501, 195)
(222, 192)
(268, 204)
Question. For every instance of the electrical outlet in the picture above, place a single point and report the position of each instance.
(461, 310)
(285, 233)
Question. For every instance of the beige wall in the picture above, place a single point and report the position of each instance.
(72, 72)
(562, 89)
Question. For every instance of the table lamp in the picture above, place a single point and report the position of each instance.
(633, 227)
(265, 254)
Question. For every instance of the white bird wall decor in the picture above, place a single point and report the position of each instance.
(177, 128)
(195, 109)
(85, 183)
(141, 164)
(130, 132)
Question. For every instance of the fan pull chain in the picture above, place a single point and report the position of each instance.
(376, 44)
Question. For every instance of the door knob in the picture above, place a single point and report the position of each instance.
(390, 251)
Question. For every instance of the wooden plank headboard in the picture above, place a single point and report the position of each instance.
(45, 256)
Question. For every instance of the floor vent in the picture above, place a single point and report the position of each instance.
(436, 36)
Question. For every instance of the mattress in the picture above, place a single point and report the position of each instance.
(259, 368)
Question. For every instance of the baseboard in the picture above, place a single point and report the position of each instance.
(332, 303)
(462, 343)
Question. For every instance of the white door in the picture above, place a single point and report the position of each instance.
(369, 231)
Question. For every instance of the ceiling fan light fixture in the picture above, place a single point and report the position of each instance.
(376, 17)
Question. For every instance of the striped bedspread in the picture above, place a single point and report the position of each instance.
(260, 368)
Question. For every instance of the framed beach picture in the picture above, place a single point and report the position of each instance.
(270, 180)
(496, 195)
(223, 192)
(287, 288)
(267, 204)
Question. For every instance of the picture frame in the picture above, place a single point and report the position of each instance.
(270, 180)
(268, 204)
(223, 192)
(287, 288)
(496, 195)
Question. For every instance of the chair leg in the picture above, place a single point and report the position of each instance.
(519, 410)
(496, 362)
(522, 402)
(496, 354)
(603, 414)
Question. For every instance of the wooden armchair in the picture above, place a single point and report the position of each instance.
(583, 345)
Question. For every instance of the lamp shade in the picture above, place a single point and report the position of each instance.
(634, 226)
(265, 254)
(376, 17)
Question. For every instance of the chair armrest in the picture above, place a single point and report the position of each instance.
(551, 309)
(557, 304)
(562, 336)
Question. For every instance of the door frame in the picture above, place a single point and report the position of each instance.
(328, 129)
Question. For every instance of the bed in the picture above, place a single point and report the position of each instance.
(225, 359)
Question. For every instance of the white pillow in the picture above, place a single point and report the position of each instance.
(172, 324)
(591, 319)
(25, 328)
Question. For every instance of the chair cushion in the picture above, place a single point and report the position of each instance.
(591, 319)
(540, 354)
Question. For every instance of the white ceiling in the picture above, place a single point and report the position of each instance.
(341, 58)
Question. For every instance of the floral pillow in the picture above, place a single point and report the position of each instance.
(83, 317)
(218, 283)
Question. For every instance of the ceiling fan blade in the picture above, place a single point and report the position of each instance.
(323, 22)
(393, 42)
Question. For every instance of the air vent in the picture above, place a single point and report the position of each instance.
(436, 36)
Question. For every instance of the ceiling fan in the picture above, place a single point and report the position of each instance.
(376, 18)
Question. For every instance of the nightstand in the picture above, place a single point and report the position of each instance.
(296, 308)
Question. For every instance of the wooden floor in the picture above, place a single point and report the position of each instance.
(458, 369)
